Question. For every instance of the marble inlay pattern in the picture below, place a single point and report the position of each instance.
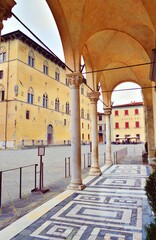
(112, 207)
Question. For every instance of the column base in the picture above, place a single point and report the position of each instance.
(95, 171)
(151, 160)
(109, 162)
(74, 186)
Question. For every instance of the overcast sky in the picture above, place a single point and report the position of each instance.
(35, 14)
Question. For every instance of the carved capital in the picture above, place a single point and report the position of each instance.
(75, 79)
(5, 10)
(107, 111)
(93, 96)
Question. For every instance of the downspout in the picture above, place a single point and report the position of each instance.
(7, 93)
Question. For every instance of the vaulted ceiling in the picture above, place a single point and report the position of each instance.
(108, 34)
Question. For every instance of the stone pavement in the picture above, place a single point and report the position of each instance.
(113, 206)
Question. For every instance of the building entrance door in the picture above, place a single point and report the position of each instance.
(49, 134)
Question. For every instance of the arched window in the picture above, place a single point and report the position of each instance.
(31, 59)
(2, 54)
(82, 113)
(57, 74)
(30, 95)
(45, 67)
(2, 93)
(57, 104)
(45, 100)
(88, 116)
(67, 108)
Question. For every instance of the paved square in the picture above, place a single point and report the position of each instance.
(111, 207)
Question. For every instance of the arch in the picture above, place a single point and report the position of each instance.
(49, 134)
(135, 95)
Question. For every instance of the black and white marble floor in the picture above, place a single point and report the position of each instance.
(112, 207)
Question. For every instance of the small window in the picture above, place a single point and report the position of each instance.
(67, 108)
(116, 125)
(88, 126)
(82, 125)
(1, 74)
(82, 136)
(2, 93)
(45, 100)
(31, 59)
(27, 114)
(2, 56)
(57, 104)
(126, 112)
(136, 111)
(88, 116)
(30, 96)
(82, 113)
(137, 125)
(116, 113)
(100, 128)
(88, 136)
(100, 117)
(45, 67)
(57, 74)
(126, 124)
(65, 122)
(67, 82)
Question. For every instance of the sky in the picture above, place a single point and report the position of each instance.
(36, 15)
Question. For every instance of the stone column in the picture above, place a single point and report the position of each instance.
(107, 112)
(75, 79)
(150, 133)
(95, 169)
(5, 10)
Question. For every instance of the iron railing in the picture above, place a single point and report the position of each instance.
(20, 179)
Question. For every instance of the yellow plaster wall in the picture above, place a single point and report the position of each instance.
(19, 73)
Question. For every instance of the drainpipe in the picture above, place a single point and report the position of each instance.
(7, 93)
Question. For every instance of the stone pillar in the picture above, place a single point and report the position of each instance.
(75, 79)
(95, 169)
(150, 133)
(107, 112)
(5, 10)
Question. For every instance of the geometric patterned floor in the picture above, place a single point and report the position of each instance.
(112, 207)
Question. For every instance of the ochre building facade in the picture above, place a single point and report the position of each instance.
(35, 96)
(127, 124)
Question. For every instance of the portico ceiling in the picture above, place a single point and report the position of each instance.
(107, 33)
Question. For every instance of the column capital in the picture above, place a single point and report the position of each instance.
(5, 10)
(107, 110)
(93, 96)
(75, 79)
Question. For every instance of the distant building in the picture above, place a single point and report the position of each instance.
(128, 122)
(101, 127)
(35, 95)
